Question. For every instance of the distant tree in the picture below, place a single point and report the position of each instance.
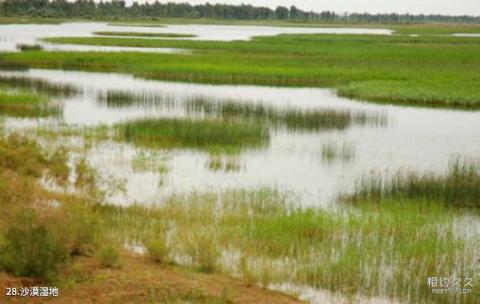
(282, 13)
(161, 9)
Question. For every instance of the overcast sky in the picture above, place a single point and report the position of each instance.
(449, 7)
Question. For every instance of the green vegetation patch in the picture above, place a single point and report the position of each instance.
(25, 97)
(247, 111)
(407, 92)
(458, 187)
(41, 231)
(139, 34)
(386, 250)
(24, 103)
(210, 135)
(389, 69)
(436, 29)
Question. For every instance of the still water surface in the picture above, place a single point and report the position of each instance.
(12, 35)
(293, 161)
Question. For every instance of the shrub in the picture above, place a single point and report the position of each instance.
(82, 230)
(109, 256)
(32, 247)
(22, 155)
(29, 47)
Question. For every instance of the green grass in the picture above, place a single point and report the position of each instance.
(459, 186)
(36, 239)
(386, 250)
(37, 85)
(412, 28)
(258, 113)
(19, 97)
(139, 34)
(436, 29)
(390, 69)
(211, 135)
(23, 103)
(25, 97)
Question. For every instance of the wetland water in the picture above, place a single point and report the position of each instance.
(12, 35)
(311, 161)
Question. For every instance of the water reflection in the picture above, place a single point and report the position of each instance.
(28, 34)
(313, 160)
(202, 107)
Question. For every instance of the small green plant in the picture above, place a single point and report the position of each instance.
(86, 176)
(59, 170)
(109, 256)
(158, 249)
(228, 163)
(459, 186)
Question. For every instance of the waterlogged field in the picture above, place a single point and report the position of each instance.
(222, 191)
(367, 64)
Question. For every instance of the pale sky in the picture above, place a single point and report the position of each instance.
(446, 7)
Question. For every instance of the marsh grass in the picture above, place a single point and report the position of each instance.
(109, 256)
(386, 250)
(29, 47)
(25, 97)
(293, 119)
(225, 163)
(150, 161)
(41, 231)
(387, 71)
(333, 151)
(211, 135)
(459, 186)
(23, 103)
(371, 249)
(37, 85)
(140, 34)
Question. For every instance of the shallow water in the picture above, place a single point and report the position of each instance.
(12, 35)
(294, 161)
(467, 35)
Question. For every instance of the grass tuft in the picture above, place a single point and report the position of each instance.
(458, 187)
(211, 135)
(290, 118)
(109, 256)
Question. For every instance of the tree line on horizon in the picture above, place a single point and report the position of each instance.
(117, 9)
